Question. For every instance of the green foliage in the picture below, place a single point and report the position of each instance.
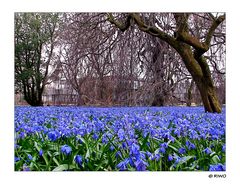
(34, 34)
(99, 156)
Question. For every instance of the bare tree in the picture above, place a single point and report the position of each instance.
(190, 47)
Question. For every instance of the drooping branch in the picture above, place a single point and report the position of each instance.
(152, 30)
(156, 32)
(122, 26)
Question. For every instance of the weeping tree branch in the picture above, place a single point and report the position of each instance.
(152, 30)
(122, 26)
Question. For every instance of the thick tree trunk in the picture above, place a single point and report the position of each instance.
(32, 97)
(209, 97)
(34, 102)
(199, 70)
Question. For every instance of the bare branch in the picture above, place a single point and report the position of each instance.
(152, 30)
(122, 26)
(213, 27)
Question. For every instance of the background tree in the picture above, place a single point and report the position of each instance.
(35, 36)
(85, 44)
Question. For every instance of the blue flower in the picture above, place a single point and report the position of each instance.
(95, 136)
(141, 165)
(40, 152)
(190, 145)
(193, 134)
(177, 132)
(207, 151)
(170, 158)
(182, 150)
(52, 136)
(29, 157)
(22, 135)
(106, 137)
(156, 157)
(78, 159)
(148, 154)
(65, 149)
(123, 127)
(16, 146)
(134, 149)
(163, 147)
(118, 154)
(152, 157)
(16, 159)
(111, 148)
(26, 167)
(131, 160)
(122, 166)
(162, 150)
(217, 167)
(224, 148)
(124, 145)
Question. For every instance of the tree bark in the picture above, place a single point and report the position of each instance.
(209, 96)
(201, 74)
(32, 97)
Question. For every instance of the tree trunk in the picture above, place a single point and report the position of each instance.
(32, 97)
(158, 51)
(209, 97)
(201, 74)
(189, 94)
(158, 100)
(79, 100)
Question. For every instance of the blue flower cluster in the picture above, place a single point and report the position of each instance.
(123, 127)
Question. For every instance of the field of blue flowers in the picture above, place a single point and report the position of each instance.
(113, 139)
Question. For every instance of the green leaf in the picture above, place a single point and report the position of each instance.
(56, 161)
(64, 167)
(173, 147)
(144, 142)
(181, 162)
(43, 155)
(215, 159)
(193, 167)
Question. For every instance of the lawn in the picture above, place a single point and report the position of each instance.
(119, 139)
